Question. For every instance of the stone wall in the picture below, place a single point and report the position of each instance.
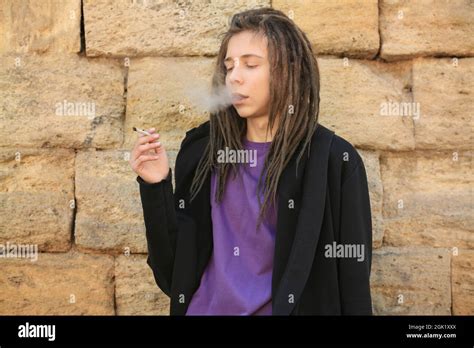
(66, 185)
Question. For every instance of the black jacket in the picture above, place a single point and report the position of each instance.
(331, 204)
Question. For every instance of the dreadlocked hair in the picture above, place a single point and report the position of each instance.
(294, 103)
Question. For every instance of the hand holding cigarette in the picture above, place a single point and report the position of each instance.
(148, 157)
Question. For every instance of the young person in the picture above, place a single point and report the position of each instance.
(288, 233)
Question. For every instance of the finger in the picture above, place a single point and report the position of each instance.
(146, 158)
(145, 147)
(150, 130)
(158, 149)
(137, 151)
(147, 139)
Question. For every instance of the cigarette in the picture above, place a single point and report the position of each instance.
(141, 131)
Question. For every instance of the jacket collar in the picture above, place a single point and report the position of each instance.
(288, 279)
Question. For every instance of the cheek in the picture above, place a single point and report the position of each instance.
(264, 87)
(261, 84)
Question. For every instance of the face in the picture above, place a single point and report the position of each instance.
(248, 74)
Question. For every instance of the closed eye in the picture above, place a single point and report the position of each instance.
(248, 66)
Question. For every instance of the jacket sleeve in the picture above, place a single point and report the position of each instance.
(161, 229)
(356, 230)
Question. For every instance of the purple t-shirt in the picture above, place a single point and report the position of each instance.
(238, 277)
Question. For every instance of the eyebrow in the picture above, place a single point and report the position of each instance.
(243, 56)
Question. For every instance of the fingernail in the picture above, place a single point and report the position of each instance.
(158, 143)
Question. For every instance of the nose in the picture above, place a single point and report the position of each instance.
(235, 76)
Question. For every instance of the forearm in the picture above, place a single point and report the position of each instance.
(160, 225)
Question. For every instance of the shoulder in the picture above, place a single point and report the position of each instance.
(191, 151)
(202, 129)
(195, 134)
(343, 157)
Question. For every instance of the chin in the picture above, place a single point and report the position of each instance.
(244, 112)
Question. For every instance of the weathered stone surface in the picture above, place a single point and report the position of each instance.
(33, 95)
(353, 93)
(443, 87)
(152, 27)
(40, 26)
(463, 282)
(36, 196)
(74, 195)
(372, 168)
(109, 211)
(428, 199)
(162, 93)
(426, 28)
(348, 28)
(411, 281)
(57, 284)
(136, 292)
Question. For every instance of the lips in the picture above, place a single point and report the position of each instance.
(237, 98)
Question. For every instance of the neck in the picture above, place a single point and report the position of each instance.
(257, 130)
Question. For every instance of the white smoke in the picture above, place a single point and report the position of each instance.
(208, 100)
